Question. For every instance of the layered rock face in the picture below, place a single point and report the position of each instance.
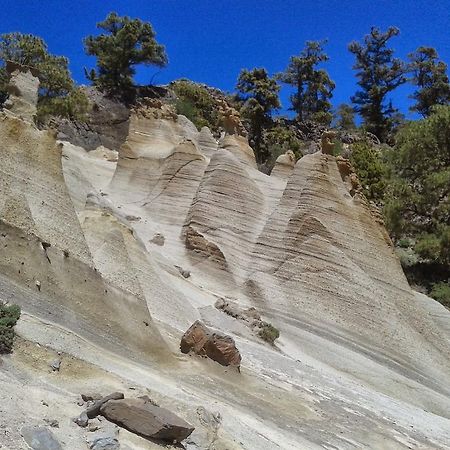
(360, 361)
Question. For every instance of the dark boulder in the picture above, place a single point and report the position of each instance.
(216, 346)
(145, 419)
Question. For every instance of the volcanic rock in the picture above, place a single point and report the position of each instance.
(216, 346)
(142, 417)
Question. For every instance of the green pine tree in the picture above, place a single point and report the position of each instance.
(259, 96)
(378, 73)
(313, 86)
(430, 77)
(124, 43)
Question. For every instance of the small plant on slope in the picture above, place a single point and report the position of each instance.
(9, 315)
(268, 333)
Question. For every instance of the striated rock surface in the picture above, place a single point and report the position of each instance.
(92, 243)
(23, 89)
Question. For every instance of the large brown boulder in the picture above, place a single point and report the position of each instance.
(216, 346)
(140, 416)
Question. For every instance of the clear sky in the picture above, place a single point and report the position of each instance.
(211, 40)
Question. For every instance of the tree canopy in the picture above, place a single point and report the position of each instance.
(378, 73)
(259, 94)
(123, 44)
(418, 200)
(313, 86)
(345, 117)
(430, 77)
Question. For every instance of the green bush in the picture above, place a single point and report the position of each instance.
(74, 106)
(370, 168)
(196, 103)
(279, 139)
(268, 333)
(404, 243)
(9, 315)
(441, 293)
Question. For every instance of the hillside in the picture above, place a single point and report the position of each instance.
(113, 255)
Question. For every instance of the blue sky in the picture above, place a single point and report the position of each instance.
(211, 40)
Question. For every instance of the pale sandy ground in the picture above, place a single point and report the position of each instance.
(276, 402)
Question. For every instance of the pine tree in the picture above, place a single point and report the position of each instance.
(430, 77)
(345, 117)
(259, 94)
(313, 86)
(124, 44)
(378, 73)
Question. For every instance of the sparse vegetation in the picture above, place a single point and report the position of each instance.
(441, 293)
(9, 315)
(268, 333)
(370, 168)
(196, 103)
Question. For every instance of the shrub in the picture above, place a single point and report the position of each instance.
(370, 168)
(196, 103)
(268, 333)
(9, 315)
(279, 139)
(404, 243)
(73, 106)
(441, 293)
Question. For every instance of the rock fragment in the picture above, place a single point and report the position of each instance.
(142, 417)
(216, 346)
(92, 396)
(40, 438)
(103, 441)
(56, 365)
(94, 410)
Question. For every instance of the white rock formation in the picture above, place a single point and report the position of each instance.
(23, 89)
(362, 362)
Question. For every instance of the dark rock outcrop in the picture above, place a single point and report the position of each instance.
(145, 419)
(216, 346)
(107, 124)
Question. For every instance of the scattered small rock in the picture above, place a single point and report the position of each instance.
(82, 420)
(103, 441)
(56, 365)
(52, 423)
(40, 438)
(132, 218)
(94, 396)
(158, 239)
(184, 273)
(38, 285)
(94, 425)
